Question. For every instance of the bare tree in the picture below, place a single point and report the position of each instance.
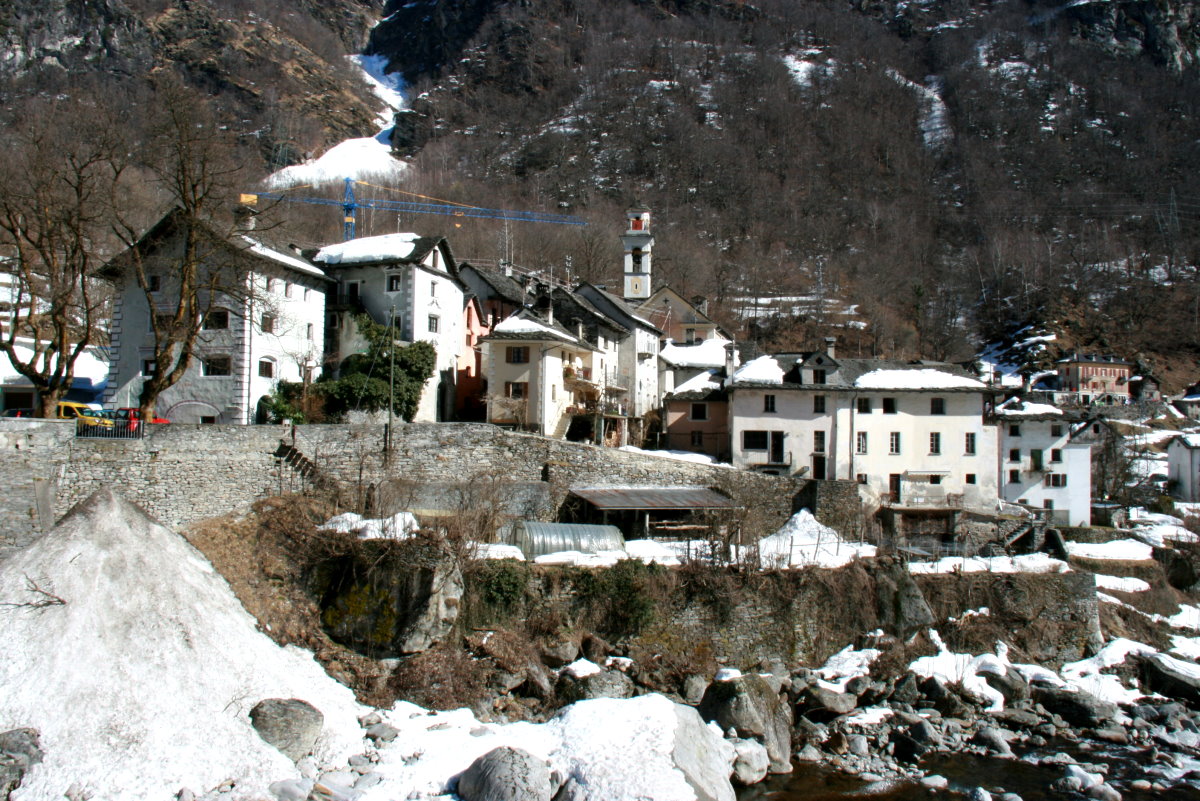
(190, 261)
(56, 191)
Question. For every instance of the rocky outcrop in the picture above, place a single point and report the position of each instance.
(1172, 678)
(748, 705)
(1077, 707)
(289, 724)
(506, 774)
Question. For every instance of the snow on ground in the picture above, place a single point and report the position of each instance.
(679, 456)
(1086, 674)
(962, 669)
(845, 665)
(1027, 563)
(1128, 550)
(1122, 583)
(369, 249)
(497, 550)
(648, 551)
(366, 159)
(397, 527)
(804, 541)
(763, 370)
(1187, 647)
(141, 683)
(921, 378)
(1188, 617)
(1158, 529)
(707, 353)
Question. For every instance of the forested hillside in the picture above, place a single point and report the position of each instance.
(943, 170)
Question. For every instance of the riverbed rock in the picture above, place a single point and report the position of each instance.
(605, 684)
(752, 762)
(1102, 792)
(1162, 674)
(1077, 707)
(1011, 685)
(560, 654)
(993, 741)
(289, 724)
(749, 705)
(817, 703)
(506, 774)
(1017, 718)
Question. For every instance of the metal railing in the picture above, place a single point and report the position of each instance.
(105, 428)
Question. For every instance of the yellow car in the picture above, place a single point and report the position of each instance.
(70, 410)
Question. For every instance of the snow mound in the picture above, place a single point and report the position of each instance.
(1127, 550)
(142, 681)
(805, 541)
(367, 159)
(1025, 563)
(399, 526)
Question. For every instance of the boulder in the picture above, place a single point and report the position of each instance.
(752, 762)
(289, 724)
(749, 705)
(817, 703)
(22, 746)
(605, 684)
(907, 690)
(506, 774)
(1170, 677)
(1076, 707)
(993, 741)
(1011, 685)
(560, 654)
(1019, 718)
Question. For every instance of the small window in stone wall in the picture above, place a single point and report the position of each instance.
(216, 366)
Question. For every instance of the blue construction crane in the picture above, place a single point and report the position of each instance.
(350, 206)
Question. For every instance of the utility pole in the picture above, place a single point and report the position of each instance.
(387, 439)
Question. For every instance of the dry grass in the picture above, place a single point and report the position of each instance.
(444, 677)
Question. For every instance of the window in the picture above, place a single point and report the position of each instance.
(270, 284)
(1056, 480)
(153, 283)
(306, 293)
(553, 392)
(516, 389)
(889, 405)
(860, 442)
(1014, 455)
(970, 479)
(861, 478)
(1056, 454)
(935, 480)
(1014, 430)
(699, 411)
(894, 443)
(1047, 504)
(208, 420)
(818, 404)
(689, 336)
(517, 354)
(937, 405)
(433, 323)
(393, 283)
(308, 332)
(864, 405)
(287, 289)
(267, 324)
(216, 320)
(1056, 430)
(818, 441)
(697, 439)
(935, 443)
(754, 440)
(331, 322)
(818, 376)
(216, 366)
(148, 367)
(1035, 458)
(1014, 476)
(970, 444)
(433, 289)
(266, 368)
(768, 403)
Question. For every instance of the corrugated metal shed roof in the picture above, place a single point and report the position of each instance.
(616, 498)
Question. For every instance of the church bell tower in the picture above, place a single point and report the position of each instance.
(637, 242)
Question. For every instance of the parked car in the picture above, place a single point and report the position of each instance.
(20, 413)
(131, 413)
(70, 410)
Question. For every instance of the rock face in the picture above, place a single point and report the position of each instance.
(506, 774)
(902, 608)
(1163, 675)
(749, 705)
(19, 749)
(289, 724)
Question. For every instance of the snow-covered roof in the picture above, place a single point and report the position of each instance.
(291, 262)
(707, 353)
(698, 387)
(763, 370)
(1188, 440)
(1015, 407)
(921, 378)
(518, 324)
(369, 249)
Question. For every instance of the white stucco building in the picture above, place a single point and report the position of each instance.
(265, 324)
(409, 279)
(1041, 464)
(1183, 467)
(913, 433)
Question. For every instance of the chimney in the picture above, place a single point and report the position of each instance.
(831, 346)
(701, 304)
(245, 217)
(543, 305)
(579, 329)
(507, 269)
(730, 359)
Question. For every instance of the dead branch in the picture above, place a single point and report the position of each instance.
(45, 597)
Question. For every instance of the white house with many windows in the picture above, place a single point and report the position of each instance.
(1041, 463)
(912, 432)
(265, 324)
(408, 281)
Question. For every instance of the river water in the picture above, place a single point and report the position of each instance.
(813, 782)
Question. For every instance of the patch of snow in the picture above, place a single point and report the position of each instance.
(1016, 408)
(582, 668)
(868, 716)
(1086, 674)
(708, 353)
(679, 456)
(921, 378)
(962, 669)
(727, 674)
(1187, 647)
(497, 550)
(397, 527)
(701, 382)
(651, 552)
(259, 249)
(1129, 550)
(1188, 617)
(388, 87)
(845, 665)
(366, 159)
(524, 325)
(805, 541)
(1027, 563)
(1122, 583)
